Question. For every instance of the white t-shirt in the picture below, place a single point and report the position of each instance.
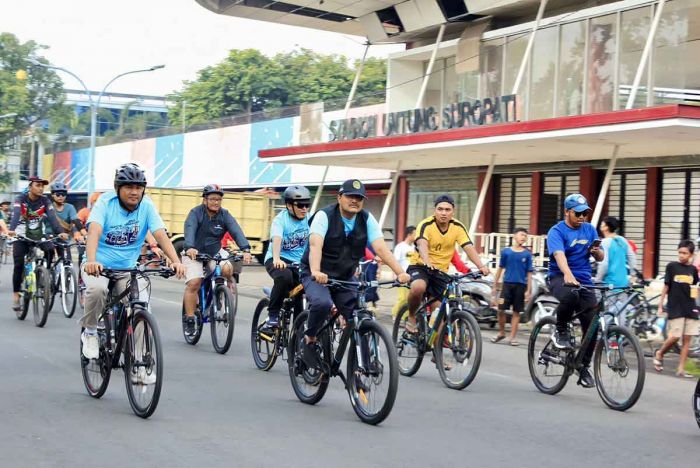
(401, 252)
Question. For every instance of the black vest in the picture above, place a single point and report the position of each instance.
(341, 254)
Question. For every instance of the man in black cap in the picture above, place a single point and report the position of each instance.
(436, 237)
(338, 235)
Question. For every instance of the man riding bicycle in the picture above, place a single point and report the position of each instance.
(117, 227)
(31, 209)
(436, 237)
(338, 236)
(571, 243)
(65, 213)
(289, 235)
(205, 226)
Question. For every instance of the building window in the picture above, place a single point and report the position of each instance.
(491, 66)
(600, 79)
(515, 50)
(633, 35)
(544, 58)
(572, 45)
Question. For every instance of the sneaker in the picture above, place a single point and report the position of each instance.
(585, 379)
(190, 325)
(142, 377)
(561, 339)
(16, 306)
(91, 345)
(311, 354)
(271, 323)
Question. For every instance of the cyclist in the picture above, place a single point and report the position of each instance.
(435, 247)
(571, 243)
(66, 214)
(338, 235)
(205, 226)
(117, 227)
(30, 210)
(5, 213)
(289, 235)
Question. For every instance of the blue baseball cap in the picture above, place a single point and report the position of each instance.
(576, 202)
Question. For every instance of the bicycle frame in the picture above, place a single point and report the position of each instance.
(206, 290)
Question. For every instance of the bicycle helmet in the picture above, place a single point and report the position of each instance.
(58, 187)
(296, 193)
(129, 174)
(212, 189)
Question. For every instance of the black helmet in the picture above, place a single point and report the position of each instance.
(212, 188)
(58, 187)
(129, 174)
(296, 193)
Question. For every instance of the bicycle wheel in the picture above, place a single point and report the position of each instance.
(309, 385)
(96, 372)
(458, 350)
(143, 363)
(409, 348)
(263, 345)
(696, 403)
(42, 296)
(222, 316)
(193, 339)
(619, 370)
(68, 295)
(24, 300)
(372, 387)
(547, 364)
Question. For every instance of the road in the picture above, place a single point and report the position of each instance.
(221, 411)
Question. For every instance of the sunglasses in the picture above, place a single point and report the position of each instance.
(60, 194)
(580, 214)
(302, 205)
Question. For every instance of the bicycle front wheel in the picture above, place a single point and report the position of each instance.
(409, 350)
(69, 296)
(309, 385)
(458, 350)
(619, 368)
(696, 403)
(143, 363)
(222, 316)
(547, 363)
(263, 344)
(41, 298)
(24, 300)
(372, 374)
(96, 372)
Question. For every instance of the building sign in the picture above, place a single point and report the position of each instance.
(462, 114)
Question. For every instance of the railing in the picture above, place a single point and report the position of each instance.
(492, 244)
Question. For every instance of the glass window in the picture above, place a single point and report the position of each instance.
(433, 93)
(515, 50)
(451, 82)
(571, 57)
(634, 31)
(544, 54)
(491, 66)
(600, 79)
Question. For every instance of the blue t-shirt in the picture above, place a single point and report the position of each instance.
(575, 244)
(123, 233)
(516, 264)
(320, 226)
(294, 233)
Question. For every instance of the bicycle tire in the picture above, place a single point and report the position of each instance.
(696, 403)
(142, 318)
(42, 296)
(297, 370)
(222, 322)
(408, 365)
(193, 339)
(24, 301)
(357, 397)
(69, 297)
(472, 353)
(264, 351)
(533, 360)
(632, 344)
(101, 366)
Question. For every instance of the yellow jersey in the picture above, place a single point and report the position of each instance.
(441, 245)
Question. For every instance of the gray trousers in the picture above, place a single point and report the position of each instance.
(96, 293)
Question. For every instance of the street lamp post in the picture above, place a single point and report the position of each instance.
(94, 105)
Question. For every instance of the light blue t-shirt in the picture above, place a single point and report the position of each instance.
(123, 233)
(320, 226)
(294, 233)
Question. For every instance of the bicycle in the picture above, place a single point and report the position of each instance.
(81, 282)
(64, 280)
(216, 305)
(371, 359)
(128, 329)
(696, 403)
(617, 351)
(451, 328)
(266, 346)
(36, 283)
(5, 250)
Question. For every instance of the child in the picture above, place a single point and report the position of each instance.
(516, 262)
(679, 286)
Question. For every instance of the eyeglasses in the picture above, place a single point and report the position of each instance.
(302, 205)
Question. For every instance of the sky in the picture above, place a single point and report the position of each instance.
(97, 39)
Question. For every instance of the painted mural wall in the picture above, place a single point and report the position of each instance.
(227, 156)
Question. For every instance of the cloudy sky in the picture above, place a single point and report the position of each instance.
(100, 39)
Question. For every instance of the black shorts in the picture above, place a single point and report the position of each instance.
(512, 296)
(433, 278)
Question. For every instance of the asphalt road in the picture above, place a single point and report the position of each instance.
(221, 411)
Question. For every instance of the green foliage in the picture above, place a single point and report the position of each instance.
(247, 81)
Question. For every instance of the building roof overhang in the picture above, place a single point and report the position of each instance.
(669, 130)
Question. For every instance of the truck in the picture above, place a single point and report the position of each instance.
(253, 211)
